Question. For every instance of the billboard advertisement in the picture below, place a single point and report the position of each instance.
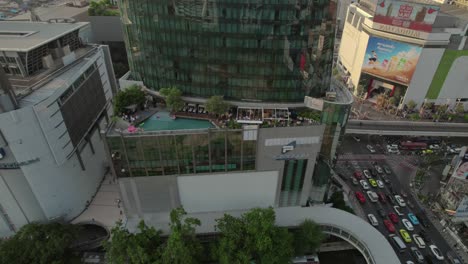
(462, 210)
(406, 15)
(391, 60)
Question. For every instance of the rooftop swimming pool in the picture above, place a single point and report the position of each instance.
(163, 121)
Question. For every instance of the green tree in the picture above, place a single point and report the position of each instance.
(101, 8)
(460, 109)
(307, 237)
(411, 105)
(173, 98)
(253, 237)
(337, 199)
(131, 95)
(182, 246)
(141, 247)
(216, 105)
(392, 101)
(39, 243)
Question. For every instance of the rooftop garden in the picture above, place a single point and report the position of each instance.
(102, 8)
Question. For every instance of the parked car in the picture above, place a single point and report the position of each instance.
(405, 235)
(382, 197)
(387, 169)
(436, 251)
(367, 174)
(419, 241)
(393, 217)
(417, 255)
(373, 220)
(397, 210)
(380, 184)
(373, 183)
(414, 220)
(370, 148)
(390, 227)
(452, 257)
(407, 224)
(381, 212)
(355, 182)
(364, 184)
(357, 139)
(400, 201)
(360, 197)
(378, 169)
(358, 175)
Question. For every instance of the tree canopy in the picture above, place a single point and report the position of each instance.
(173, 98)
(131, 95)
(253, 237)
(337, 199)
(216, 105)
(102, 8)
(307, 237)
(39, 243)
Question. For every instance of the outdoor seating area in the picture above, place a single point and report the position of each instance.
(194, 109)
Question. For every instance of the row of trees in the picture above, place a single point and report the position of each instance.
(173, 97)
(250, 238)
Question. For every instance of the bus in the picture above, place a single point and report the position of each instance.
(409, 145)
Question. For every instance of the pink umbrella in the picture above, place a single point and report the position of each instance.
(131, 129)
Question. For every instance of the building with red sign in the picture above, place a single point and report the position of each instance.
(412, 51)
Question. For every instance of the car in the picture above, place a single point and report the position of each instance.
(358, 175)
(381, 212)
(393, 151)
(373, 183)
(397, 210)
(355, 164)
(386, 179)
(407, 224)
(390, 227)
(378, 169)
(364, 184)
(404, 194)
(390, 198)
(452, 257)
(421, 220)
(423, 235)
(372, 196)
(409, 262)
(380, 184)
(409, 204)
(355, 182)
(370, 148)
(417, 255)
(436, 251)
(419, 241)
(400, 201)
(382, 198)
(360, 197)
(357, 139)
(387, 169)
(393, 217)
(367, 174)
(405, 235)
(434, 147)
(414, 220)
(373, 171)
(2, 153)
(373, 220)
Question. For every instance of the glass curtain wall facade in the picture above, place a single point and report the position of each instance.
(182, 153)
(266, 50)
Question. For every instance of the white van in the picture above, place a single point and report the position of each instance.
(373, 220)
(372, 196)
(400, 245)
(419, 241)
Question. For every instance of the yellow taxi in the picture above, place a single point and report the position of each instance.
(405, 235)
(373, 182)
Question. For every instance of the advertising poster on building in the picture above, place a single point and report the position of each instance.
(391, 60)
(462, 210)
(406, 15)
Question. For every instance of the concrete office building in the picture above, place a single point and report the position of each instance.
(55, 99)
(414, 55)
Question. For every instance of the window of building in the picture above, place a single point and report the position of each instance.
(11, 59)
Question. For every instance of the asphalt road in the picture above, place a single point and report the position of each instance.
(371, 208)
(410, 126)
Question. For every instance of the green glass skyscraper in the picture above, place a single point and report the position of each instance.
(262, 50)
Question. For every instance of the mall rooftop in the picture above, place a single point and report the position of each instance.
(24, 36)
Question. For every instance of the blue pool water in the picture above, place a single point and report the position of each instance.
(163, 121)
